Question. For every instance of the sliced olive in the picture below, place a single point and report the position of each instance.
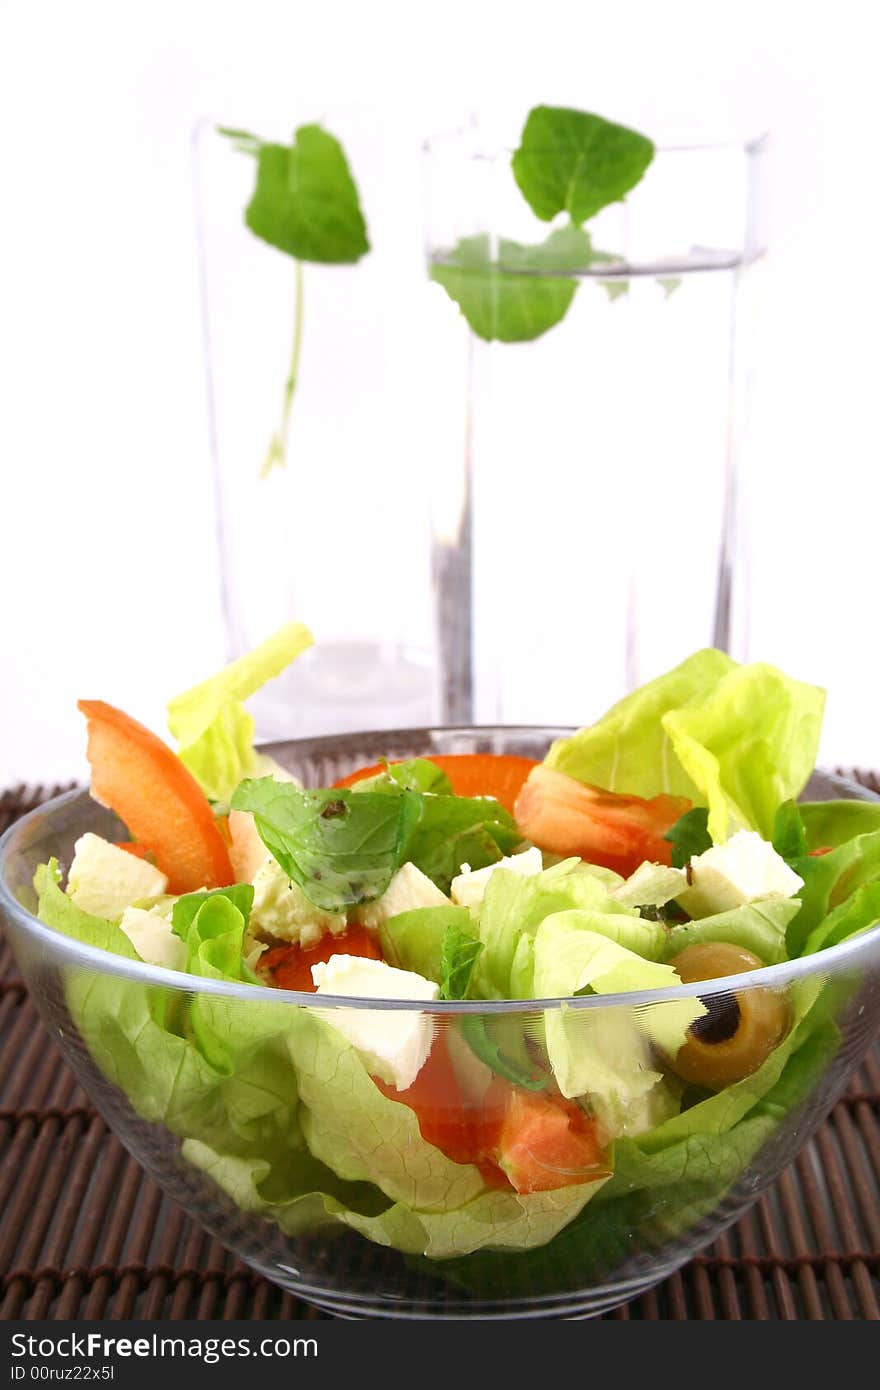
(739, 1030)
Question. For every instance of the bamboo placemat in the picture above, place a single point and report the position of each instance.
(84, 1233)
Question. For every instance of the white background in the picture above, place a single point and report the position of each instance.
(109, 576)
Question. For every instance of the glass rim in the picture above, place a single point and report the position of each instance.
(75, 953)
(443, 141)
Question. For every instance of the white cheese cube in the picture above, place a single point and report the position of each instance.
(746, 869)
(282, 912)
(408, 889)
(149, 932)
(652, 885)
(394, 1044)
(469, 886)
(104, 880)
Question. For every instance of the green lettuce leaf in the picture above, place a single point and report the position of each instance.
(830, 880)
(605, 1054)
(513, 908)
(737, 739)
(414, 940)
(757, 927)
(834, 822)
(494, 1219)
(215, 734)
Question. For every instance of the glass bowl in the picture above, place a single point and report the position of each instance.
(253, 1109)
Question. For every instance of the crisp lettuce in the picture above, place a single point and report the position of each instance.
(829, 881)
(737, 739)
(512, 909)
(756, 927)
(605, 1054)
(214, 731)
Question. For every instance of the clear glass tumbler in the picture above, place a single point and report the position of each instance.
(589, 481)
(339, 536)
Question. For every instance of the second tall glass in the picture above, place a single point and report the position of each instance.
(588, 529)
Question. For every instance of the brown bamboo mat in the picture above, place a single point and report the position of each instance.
(85, 1234)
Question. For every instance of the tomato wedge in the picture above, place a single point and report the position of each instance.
(471, 774)
(466, 1133)
(291, 966)
(161, 803)
(564, 816)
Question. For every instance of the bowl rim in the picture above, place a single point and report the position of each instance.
(76, 953)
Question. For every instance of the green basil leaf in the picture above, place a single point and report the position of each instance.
(575, 162)
(456, 830)
(340, 847)
(305, 201)
(458, 954)
(414, 775)
(689, 836)
(499, 1042)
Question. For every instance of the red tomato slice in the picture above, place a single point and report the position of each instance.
(471, 774)
(547, 1143)
(161, 803)
(291, 966)
(466, 1133)
(564, 816)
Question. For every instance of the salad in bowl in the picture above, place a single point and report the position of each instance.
(498, 1021)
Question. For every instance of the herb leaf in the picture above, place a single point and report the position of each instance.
(305, 201)
(574, 162)
(789, 835)
(414, 775)
(458, 954)
(689, 836)
(520, 294)
(339, 847)
(456, 830)
(499, 1042)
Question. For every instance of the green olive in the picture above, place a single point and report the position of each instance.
(739, 1031)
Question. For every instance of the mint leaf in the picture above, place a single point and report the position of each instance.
(523, 291)
(789, 835)
(689, 836)
(340, 847)
(456, 830)
(574, 162)
(305, 201)
(499, 1042)
(415, 775)
(458, 954)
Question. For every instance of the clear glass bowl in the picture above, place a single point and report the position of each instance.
(249, 1092)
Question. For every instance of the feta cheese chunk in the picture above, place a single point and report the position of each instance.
(408, 889)
(652, 885)
(746, 869)
(105, 880)
(282, 912)
(469, 886)
(149, 932)
(394, 1044)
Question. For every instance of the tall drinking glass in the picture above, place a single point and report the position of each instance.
(588, 520)
(337, 534)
